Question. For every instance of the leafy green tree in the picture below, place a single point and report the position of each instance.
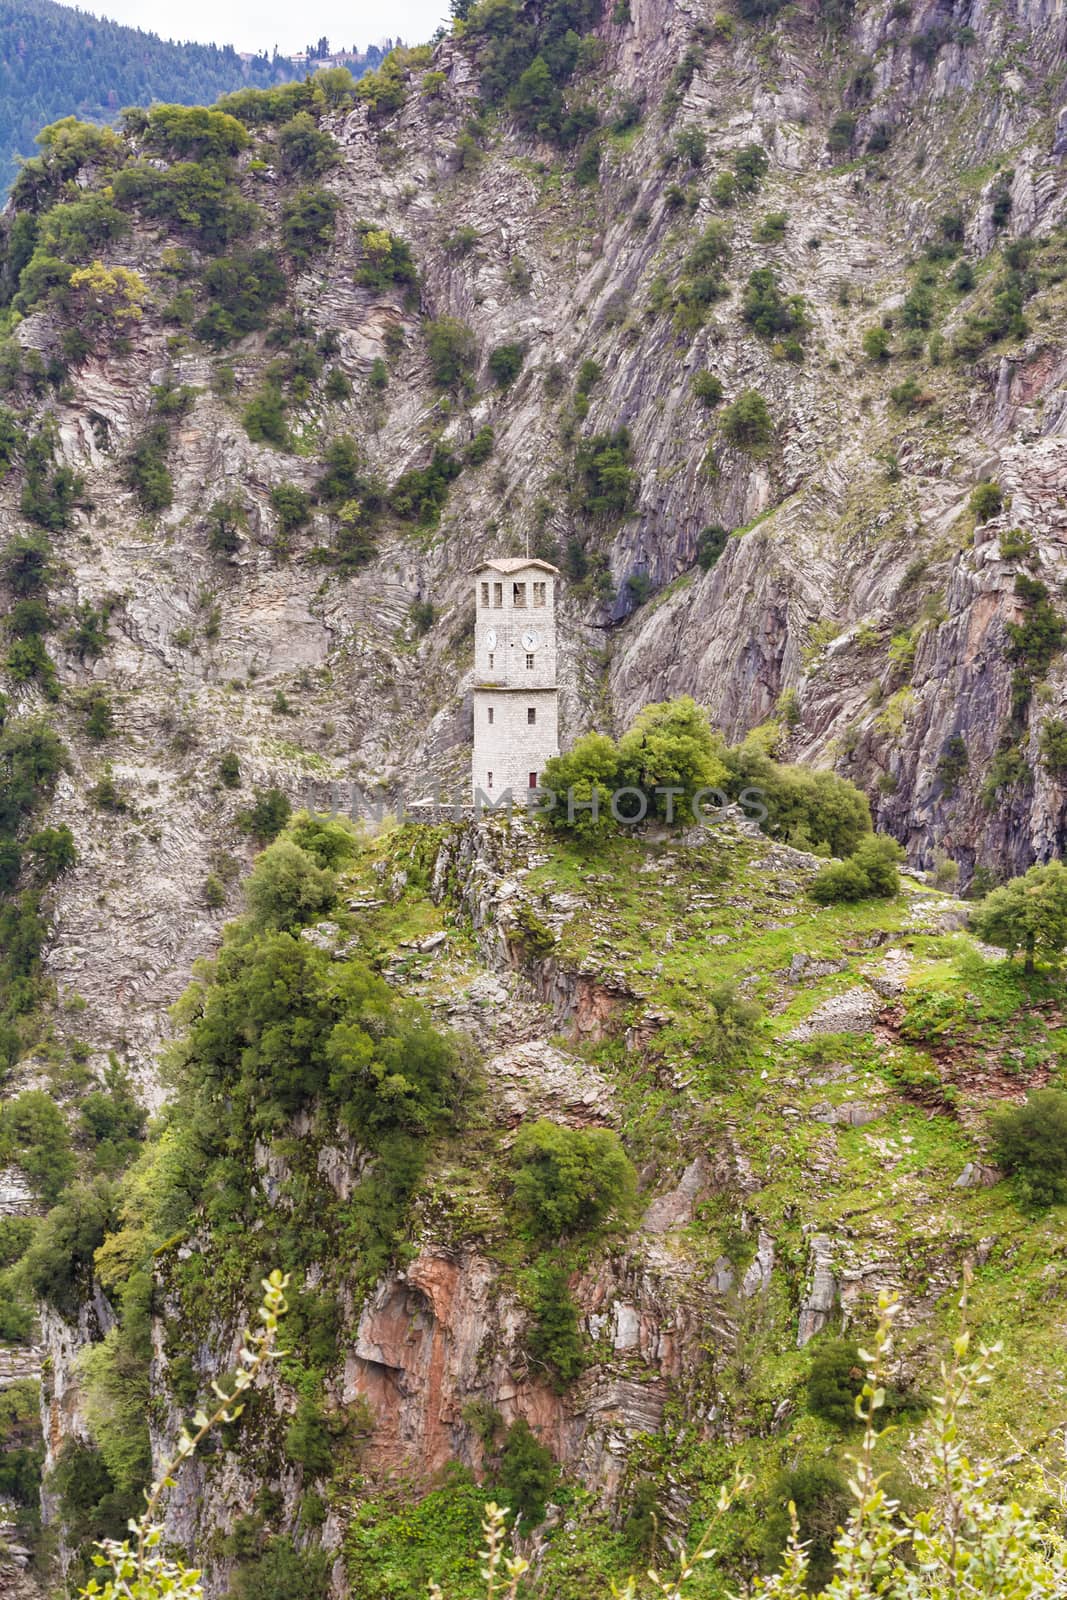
(1030, 1143)
(820, 1494)
(34, 1134)
(287, 887)
(581, 784)
(267, 816)
(568, 1180)
(527, 1473)
(53, 852)
(747, 424)
(1027, 914)
(505, 363)
(835, 1381)
(671, 746)
(304, 148)
(555, 1339)
(607, 484)
(453, 351)
(308, 222)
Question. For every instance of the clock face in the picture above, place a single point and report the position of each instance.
(530, 640)
(490, 639)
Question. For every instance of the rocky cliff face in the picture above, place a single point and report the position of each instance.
(843, 554)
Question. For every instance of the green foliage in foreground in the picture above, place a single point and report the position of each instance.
(965, 1541)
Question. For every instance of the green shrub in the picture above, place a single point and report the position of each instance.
(308, 222)
(767, 311)
(229, 769)
(987, 500)
(527, 1474)
(53, 852)
(33, 1134)
(387, 258)
(707, 388)
(291, 505)
(607, 484)
(57, 1266)
(747, 424)
(566, 1180)
(870, 872)
(287, 888)
(711, 542)
(267, 815)
(1053, 743)
(264, 418)
(877, 345)
(227, 519)
(242, 288)
(146, 471)
(419, 495)
(26, 564)
(555, 1340)
(481, 446)
(772, 228)
(820, 1494)
(308, 1440)
(505, 363)
(750, 165)
(835, 1379)
(452, 351)
(304, 148)
(1030, 1143)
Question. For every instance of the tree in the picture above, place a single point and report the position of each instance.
(671, 746)
(452, 350)
(568, 1180)
(581, 784)
(870, 872)
(1030, 1142)
(53, 851)
(287, 887)
(1027, 914)
(747, 424)
(108, 295)
(835, 1380)
(528, 1473)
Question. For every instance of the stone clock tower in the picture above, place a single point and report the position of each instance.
(516, 701)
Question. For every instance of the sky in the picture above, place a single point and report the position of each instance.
(262, 24)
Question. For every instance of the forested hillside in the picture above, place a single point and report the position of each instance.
(56, 61)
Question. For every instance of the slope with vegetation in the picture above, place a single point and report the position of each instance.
(588, 1161)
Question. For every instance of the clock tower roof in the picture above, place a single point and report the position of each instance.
(509, 564)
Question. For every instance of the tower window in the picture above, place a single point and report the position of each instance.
(518, 594)
(489, 780)
(539, 592)
(498, 596)
(492, 659)
(531, 713)
(485, 594)
(529, 662)
(490, 714)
